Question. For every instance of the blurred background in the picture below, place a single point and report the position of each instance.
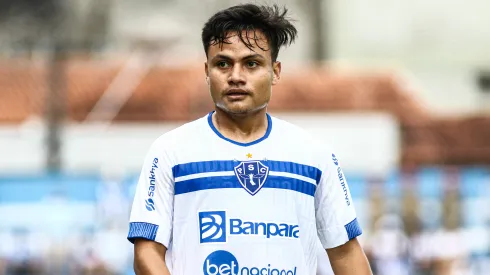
(401, 90)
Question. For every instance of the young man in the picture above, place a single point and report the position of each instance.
(239, 192)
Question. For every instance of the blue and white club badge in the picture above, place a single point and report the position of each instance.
(252, 175)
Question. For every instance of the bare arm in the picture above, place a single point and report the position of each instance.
(149, 258)
(349, 259)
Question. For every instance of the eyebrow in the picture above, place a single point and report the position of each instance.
(226, 57)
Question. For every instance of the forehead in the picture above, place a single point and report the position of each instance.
(233, 45)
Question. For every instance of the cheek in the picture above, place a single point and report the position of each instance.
(217, 77)
(215, 83)
(265, 84)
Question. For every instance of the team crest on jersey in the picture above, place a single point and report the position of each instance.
(252, 175)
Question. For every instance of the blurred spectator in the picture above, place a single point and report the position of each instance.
(388, 246)
(84, 257)
(113, 250)
(4, 251)
(440, 252)
(21, 257)
(449, 252)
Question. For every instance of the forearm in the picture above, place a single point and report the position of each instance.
(349, 260)
(150, 260)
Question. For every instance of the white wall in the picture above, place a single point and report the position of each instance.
(364, 143)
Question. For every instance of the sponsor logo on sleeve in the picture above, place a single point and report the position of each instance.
(335, 160)
(149, 203)
(342, 180)
(344, 185)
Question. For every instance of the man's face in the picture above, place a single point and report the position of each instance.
(240, 80)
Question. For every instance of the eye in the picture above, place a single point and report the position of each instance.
(222, 64)
(252, 64)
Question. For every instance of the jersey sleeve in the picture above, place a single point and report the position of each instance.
(152, 209)
(335, 214)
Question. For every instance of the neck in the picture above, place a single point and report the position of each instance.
(242, 128)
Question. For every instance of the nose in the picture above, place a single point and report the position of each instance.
(236, 77)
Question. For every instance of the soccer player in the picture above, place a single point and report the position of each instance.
(239, 192)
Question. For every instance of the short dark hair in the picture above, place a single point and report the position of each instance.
(271, 20)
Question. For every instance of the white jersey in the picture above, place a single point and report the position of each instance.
(229, 208)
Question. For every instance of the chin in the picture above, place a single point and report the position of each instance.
(233, 107)
(239, 109)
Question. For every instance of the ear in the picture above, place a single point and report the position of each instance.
(206, 72)
(276, 70)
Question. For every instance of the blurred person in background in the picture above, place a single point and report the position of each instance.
(389, 246)
(113, 250)
(3, 266)
(21, 256)
(482, 265)
(184, 183)
(4, 250)
(84, 258)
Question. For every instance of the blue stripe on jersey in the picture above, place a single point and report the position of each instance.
(142, 230)
(277, 182)
(353, 229)
(186, 169)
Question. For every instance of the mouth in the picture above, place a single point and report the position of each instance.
(236, 94)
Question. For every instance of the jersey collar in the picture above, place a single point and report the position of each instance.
(266, 135)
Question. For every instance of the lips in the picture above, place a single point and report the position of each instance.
(236, 92)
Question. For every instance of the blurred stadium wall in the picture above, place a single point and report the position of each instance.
(399, 89)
